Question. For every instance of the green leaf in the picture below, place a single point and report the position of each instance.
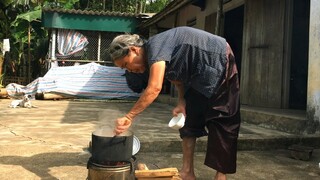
(30, 16)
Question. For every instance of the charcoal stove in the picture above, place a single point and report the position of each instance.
(121, 170)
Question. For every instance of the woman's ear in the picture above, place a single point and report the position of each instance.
(135, 49)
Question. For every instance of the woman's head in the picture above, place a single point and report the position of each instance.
(126, 51)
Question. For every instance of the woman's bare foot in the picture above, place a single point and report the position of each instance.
(220, 176)
(187, 176)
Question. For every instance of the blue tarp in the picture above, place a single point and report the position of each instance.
(91, 80)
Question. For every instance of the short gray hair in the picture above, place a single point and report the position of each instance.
(119, 47)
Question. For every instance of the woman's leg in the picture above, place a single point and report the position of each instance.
(187, 171)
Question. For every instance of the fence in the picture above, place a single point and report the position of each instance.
(95, 51)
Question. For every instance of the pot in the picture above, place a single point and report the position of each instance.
(107, 147)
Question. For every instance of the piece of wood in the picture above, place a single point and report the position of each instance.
(176, 177)
(160, 178)
(142, 166)
(165, 172)
(3, 92)
(51, 96)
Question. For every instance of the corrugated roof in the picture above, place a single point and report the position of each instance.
(94, 12)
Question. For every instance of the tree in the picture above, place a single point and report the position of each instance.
(128, 6)
(154, 6)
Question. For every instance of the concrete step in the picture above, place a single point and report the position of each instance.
(261, 129)
(251, 137)
(286, 120)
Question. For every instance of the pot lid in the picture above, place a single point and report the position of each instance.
(136, 145)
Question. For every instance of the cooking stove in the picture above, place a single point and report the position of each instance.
(121, 170)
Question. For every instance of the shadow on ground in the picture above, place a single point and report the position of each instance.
(41, 164)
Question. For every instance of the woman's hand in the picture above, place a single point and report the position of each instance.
(180, 108)
(122, 125)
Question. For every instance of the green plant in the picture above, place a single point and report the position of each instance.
(21, 24)
(27, 30)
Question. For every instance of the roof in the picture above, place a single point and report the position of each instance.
(89, 12)
(91, 20)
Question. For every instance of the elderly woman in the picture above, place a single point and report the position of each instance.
(202, 67)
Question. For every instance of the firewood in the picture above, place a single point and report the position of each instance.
(161, 178)
(165, 172)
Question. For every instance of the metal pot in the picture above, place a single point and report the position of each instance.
(106, 147)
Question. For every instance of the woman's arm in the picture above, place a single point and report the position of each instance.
(152, 91)
(148, 96)
(180, 108)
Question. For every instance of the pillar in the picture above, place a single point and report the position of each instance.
(313, 94)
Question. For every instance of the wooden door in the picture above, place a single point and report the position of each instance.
(262, 61)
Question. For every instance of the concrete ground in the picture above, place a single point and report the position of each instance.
(50, 141)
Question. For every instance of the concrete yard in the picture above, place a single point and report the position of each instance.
(50, 141)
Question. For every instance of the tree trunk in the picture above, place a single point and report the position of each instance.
(1, 64)
(29, 54)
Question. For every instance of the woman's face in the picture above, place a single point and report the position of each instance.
(133, 62)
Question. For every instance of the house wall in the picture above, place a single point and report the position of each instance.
(205, 19)
(168, 22)
(185, 16)
(313, 97)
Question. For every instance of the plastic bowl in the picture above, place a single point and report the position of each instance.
(177, 122)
